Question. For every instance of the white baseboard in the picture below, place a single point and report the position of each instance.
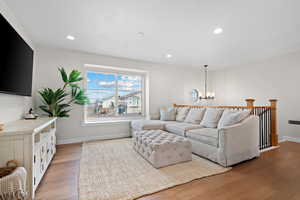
(269, 149)
(290, 139)
(91, 138)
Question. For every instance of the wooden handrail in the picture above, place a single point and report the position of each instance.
(267, 115)
(264, 107)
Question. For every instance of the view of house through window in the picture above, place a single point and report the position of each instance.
(114, 95)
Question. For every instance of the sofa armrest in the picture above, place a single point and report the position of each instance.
(243, 123)
(241, 139)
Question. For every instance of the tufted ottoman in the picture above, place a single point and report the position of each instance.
(161, 148)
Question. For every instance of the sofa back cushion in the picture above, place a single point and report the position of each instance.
(231, 117)
(181, 113)
(167, 114)
(211, 117)
(195, 115)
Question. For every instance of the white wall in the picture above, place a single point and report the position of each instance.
(275, 78)
(168, 84)
(13, 107)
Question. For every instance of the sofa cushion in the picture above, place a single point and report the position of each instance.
(211, 117)
(139, 125)
(208, 136)
(231, 117)
(179, 128)
(181, 113)
(195, 115)
(167, 114)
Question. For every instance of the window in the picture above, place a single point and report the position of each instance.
(114, 95)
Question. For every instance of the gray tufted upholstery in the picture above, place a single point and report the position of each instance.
(161, 148)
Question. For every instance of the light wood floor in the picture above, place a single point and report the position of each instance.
(275, 175)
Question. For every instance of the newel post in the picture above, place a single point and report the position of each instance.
(274, 136)
(250, 104)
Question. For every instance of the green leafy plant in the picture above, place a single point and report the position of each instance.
(58, 102)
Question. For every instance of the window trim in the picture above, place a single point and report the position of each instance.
(118, 71)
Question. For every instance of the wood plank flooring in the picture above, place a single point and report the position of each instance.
(275, 175)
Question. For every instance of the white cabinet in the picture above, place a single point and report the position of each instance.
(32, 143)
(44, 150)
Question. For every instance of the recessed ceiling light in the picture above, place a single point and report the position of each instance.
(218, 31)
(169, 55)
(140, 34)
(70, 37)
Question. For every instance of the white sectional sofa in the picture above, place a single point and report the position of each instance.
(221, 143)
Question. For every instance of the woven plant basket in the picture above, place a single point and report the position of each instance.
(13, 181)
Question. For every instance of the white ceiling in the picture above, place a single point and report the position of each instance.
(253, 29)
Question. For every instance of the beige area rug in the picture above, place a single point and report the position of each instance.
(113, 170)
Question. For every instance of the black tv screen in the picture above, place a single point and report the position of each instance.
(16, 61)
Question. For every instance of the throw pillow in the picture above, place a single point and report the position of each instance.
(167, 114)
(211, 117)
(195, 115)
(231, 117)
(181, 113)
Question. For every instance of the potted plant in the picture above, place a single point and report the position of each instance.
(58, 102)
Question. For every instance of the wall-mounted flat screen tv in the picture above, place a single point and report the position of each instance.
(16, 61)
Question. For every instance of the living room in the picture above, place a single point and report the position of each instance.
(154, 100)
